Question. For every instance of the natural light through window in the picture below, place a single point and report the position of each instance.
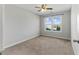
(53, 23)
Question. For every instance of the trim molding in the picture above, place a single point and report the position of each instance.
(56, 37)
(27, 38)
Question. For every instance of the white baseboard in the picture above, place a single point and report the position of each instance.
(57, 37)
(27, 38)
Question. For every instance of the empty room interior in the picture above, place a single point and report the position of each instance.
(39, 29)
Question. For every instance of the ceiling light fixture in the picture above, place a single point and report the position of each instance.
(44, 8)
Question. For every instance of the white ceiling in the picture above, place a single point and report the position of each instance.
(56, 8)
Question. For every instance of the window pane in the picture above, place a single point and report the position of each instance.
(56, 28)
(48, 27)
(57, 20)
(48, 20)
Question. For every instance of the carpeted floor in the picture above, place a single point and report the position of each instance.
(41, 46)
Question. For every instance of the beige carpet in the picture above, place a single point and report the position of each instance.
(41, 46)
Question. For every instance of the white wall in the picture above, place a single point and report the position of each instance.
(66, 27)
(74, 32)
(0, 27)
(19, 25)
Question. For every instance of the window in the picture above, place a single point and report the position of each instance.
(53, 23)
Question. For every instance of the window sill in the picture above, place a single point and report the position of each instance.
(52, 31)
